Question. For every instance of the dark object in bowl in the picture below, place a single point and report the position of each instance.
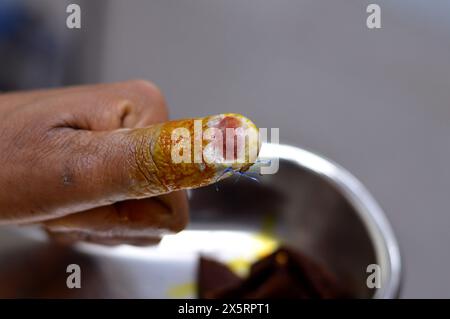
(285, 274)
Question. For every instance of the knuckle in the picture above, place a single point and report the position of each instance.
(147, 87)
(181, 225)
(180, 222)
(152, 99)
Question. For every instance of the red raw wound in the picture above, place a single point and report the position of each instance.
(229, 122)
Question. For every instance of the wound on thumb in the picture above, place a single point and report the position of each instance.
(188, 153)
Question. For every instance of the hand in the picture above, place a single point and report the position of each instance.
(95, 162)
(66, 164)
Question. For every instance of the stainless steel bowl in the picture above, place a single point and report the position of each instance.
(311, 204)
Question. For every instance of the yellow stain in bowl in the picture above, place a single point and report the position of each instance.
(240, 266)
(183, 290)
(267, 246)
(264, 246)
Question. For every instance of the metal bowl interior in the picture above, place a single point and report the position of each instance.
(310, 204)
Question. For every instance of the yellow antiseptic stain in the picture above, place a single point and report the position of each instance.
(240, 266)
(265, 243)
(264, 247)
(266, 240)
(182, 291)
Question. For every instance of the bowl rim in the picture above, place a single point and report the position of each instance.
(386, 247)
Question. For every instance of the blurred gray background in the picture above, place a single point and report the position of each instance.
(375, 101)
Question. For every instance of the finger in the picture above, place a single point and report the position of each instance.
(107, 107)
(133, 222)
(99, 107)
(147, 218)
(140, 92)
(154, 170)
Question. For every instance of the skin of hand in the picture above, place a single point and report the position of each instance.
(65, 158)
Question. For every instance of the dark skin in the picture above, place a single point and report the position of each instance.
(66, 163)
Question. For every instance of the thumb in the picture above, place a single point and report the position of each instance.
(175, 155)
